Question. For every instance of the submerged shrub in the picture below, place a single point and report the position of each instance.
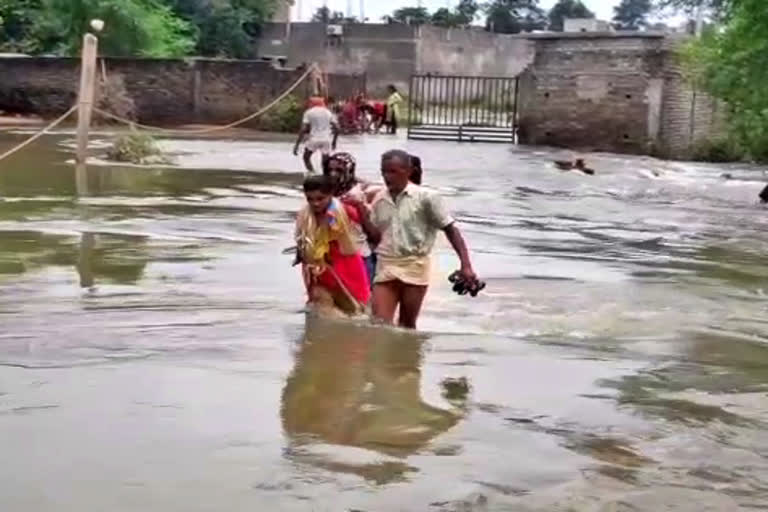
(136, 148)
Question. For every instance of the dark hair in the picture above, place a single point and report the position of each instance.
(417, 173)
(392, 87)
(318, 183)
(400, 155)
(764, 195)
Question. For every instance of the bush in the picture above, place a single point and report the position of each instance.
(136, 148)
(283, 117)
(718, 150)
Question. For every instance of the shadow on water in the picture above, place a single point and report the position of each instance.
(117, 259)
(359, 386)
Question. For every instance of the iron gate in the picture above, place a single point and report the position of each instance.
(463, 108)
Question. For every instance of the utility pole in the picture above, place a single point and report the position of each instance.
(85, 109)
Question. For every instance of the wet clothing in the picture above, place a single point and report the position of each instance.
(320, 121)
(412, 270)
(393, 111)
(370, 266)
(330, 253)
(350, 188)
(358, 194)
(393, 106)
(409, 225)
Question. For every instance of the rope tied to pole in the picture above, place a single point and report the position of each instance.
(39, 134)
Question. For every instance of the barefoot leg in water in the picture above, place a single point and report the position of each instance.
(322, 302)
(386, 297)
(411, 300)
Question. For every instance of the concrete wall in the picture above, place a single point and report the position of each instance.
(386, 53)
(620, 92)
(472, 52)
(594, 91)
(390, 54)
(163, 91)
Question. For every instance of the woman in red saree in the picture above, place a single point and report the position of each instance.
(332, 266)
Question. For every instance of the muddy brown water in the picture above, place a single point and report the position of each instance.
(155, 355)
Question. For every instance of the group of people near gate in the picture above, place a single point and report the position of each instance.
(359, 114)
(362, 245)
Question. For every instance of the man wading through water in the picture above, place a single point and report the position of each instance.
(408, 218)
(321, 129)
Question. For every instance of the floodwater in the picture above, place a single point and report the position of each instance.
(155, 354)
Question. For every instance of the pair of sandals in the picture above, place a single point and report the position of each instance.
(463, 287)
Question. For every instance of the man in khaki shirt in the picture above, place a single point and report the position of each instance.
(408, 218)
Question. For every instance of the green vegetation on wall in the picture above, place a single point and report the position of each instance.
(730, 61)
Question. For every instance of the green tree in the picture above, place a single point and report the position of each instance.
(225, 28)
(567, 9)
(632, 14)
(462, 16)
(444, 17)
(325, 15)
(466, 11)
(714, 8)
(16, 20)
(731, 63)
(514, 16)
(412, 15)
(132, 27)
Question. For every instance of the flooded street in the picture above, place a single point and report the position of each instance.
(155, 354)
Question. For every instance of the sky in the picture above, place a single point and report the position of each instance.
(375, 9)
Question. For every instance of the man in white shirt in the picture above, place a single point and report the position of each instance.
(408, 219)
(320, 129)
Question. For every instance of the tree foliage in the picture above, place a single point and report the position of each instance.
(411, 15)
(514, 16)
(153, 28)
(714, 8)
(567, 9)
(325, 15)
(132, 27)
(16, 19)
(731, 63)
(632, 14)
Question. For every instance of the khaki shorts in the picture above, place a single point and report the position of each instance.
(324, 146)
(414, 270)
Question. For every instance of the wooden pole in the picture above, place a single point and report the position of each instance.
(85, 108)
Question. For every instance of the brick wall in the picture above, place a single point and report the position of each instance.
(172, 91)
(689, 116)
(593, 92)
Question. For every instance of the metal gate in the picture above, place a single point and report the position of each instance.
(463, 108)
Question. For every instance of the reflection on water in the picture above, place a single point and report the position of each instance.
(360, 386)
(148, 339)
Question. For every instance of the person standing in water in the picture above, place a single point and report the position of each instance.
(327, 247)
(394, 100)
(340, 168)
(408, 218)
(320, 129)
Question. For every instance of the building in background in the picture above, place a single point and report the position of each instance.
(283, 11)
(585, 25)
